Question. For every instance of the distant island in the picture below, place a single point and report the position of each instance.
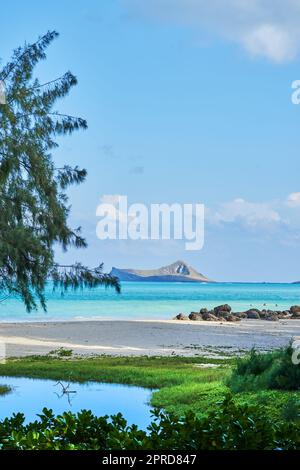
(175, 272)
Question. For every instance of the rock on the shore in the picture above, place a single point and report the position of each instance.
(233, 318)
(272, 317)
(222, 308)
(240, 315)
(253, 314)
(287, 313)
(209, 317)
(224, 312)
(195, 316)
(263, 314)
(181, 316)
(295, 309)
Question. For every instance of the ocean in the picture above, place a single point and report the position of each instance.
(142, 300)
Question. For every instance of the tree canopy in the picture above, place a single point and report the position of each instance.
(34, 206)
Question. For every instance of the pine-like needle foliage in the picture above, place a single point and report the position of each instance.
(33, 203)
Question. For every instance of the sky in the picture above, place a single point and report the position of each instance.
(187, 101)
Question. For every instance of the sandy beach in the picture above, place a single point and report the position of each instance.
(128, 338)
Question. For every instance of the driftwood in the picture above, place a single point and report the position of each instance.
(65, 390)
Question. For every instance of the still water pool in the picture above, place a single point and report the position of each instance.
(30, 396)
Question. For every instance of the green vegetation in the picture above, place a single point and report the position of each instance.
(196, 406)
(182, 382)
(4, 389)
(34, 207)
(179, 384)
(230, 427)
(61, 352)
(272, 371)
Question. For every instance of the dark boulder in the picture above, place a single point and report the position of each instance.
(254, 310)
(222, 308)
(295, 309)
(263, 314)
(209, 317)
(286, 314)
(272, 317)
(240, 314)
(181, 316)
(195, 316)
(222, 314)
(253, 314)
(283, 315)
(232, 318)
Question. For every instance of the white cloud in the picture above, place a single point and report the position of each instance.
(250, 214)
(293, 200)
(263, 217)
(266, 28)
(270, 41)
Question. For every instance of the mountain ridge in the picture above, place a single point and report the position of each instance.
(179, 271)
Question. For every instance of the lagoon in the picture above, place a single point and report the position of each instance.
(30, 396)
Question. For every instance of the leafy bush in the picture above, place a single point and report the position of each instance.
(274, 370)
(229, 427)
(61, 352)
(291, 410)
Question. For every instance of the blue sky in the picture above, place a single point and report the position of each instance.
(184, 104)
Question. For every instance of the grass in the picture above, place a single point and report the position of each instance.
(179, 384)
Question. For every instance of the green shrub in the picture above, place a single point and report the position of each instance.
(283, 374)
(274, 370)
(61, 352)
(291, 410)
(230, 427)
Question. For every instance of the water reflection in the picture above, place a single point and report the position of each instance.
(65, 391)
(30, 396)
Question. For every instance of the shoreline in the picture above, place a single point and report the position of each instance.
(145, 337)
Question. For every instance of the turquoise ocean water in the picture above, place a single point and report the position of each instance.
(140, 300)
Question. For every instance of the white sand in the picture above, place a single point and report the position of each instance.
(146, 337)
